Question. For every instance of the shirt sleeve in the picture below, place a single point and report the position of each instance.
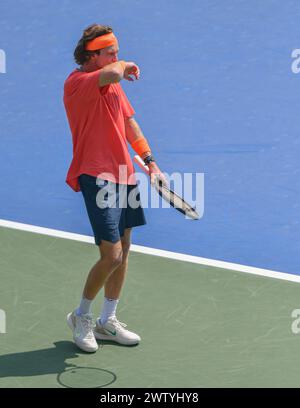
(128, 110)
(87, 85)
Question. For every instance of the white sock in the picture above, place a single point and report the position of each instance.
(84, 307)
(109, 309)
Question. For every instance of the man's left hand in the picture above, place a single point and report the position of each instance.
(156, 174)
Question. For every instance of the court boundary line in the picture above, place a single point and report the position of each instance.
(156, 252)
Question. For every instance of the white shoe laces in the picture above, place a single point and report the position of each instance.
(118, 324)
(88, 325)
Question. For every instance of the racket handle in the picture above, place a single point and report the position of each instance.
(140, 162)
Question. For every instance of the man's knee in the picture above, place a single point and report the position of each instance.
(115, 258)
(125, 247)
(126, 241)
(112, 254)
(125, 251)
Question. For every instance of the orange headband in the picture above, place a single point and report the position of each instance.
(103, 41)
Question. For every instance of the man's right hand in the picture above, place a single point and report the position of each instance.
(131, 70)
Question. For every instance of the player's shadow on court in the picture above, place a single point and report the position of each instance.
(45, 361)
(39, 362)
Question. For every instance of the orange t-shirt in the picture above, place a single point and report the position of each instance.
(97, 121)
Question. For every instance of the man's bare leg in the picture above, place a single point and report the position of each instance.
(108, 327)
(115, 282)
(111, 259)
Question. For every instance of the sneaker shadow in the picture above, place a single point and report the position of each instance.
(102, 343)
(39, 362)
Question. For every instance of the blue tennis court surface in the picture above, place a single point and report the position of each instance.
(217, 96)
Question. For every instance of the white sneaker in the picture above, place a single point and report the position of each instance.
(82, 328)
(114, 330)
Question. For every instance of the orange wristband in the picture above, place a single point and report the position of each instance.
(140, 146)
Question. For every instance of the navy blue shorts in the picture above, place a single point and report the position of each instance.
(111, 207)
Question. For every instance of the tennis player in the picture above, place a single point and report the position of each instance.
(102, 124)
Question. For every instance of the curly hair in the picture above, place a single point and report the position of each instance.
(81, 55)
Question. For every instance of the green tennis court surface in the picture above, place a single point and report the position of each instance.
(200, 326)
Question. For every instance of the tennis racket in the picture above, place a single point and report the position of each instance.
(169, 195)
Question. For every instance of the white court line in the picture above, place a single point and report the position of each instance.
(156, 252)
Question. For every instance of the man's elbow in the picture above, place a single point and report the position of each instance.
(116, 75)
(129, 119)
